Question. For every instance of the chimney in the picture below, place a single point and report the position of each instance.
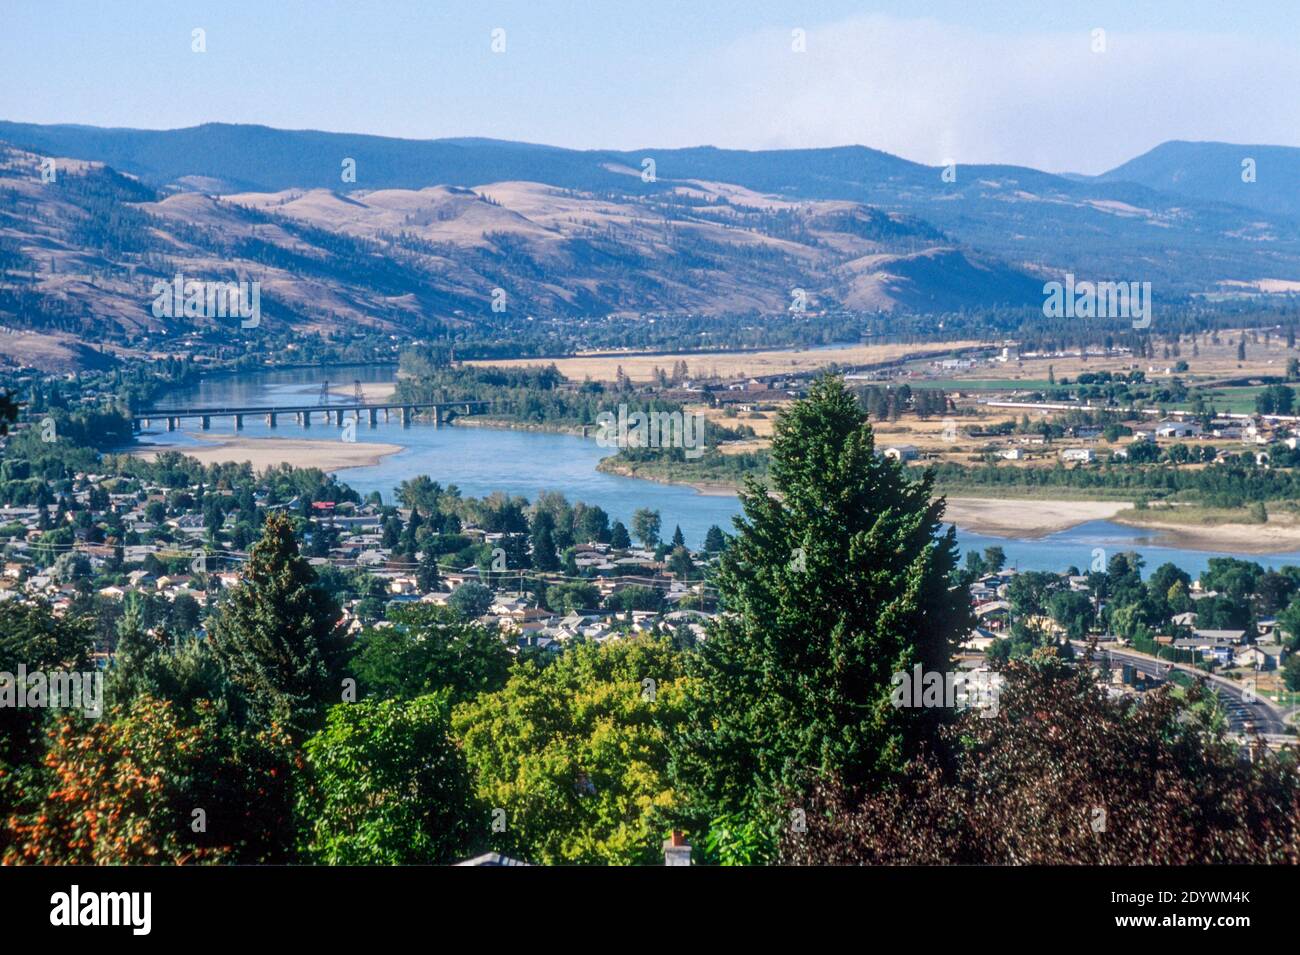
(676, 850)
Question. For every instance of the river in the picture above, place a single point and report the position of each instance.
(481, 460)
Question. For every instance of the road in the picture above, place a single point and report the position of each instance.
(1259, 716)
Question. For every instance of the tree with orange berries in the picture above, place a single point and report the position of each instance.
(141, 787)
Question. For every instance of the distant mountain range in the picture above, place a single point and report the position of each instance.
(1266, 178)
(242, 158)
(429, 229)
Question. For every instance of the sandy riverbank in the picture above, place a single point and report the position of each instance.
(371, 391)
(1026, 517)
(268, 452)
(1271, 538)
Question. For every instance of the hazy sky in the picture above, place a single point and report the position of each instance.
(965, 81)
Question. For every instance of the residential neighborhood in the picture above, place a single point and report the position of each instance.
(101, 542)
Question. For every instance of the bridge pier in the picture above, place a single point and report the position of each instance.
(239, 422)
(171, 424)
(386, 410)
(206, 422)
(270, 419)
(374, 417)
(407, 413)
(437, 416)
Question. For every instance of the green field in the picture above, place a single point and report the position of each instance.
(1231, 400)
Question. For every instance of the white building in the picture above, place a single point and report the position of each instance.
(900, 452)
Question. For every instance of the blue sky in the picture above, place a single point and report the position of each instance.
(1015, 81)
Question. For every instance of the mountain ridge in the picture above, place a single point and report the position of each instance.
(1110, 226)
(431, 232)
(1216, 171)
(80, 254)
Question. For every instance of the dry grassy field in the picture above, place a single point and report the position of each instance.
(1214, 361)
(641, 367)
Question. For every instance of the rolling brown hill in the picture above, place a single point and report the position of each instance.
(81, 254)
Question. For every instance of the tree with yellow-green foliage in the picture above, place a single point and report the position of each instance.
(575, 753)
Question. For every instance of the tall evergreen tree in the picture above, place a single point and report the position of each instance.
(8, 411)
(278, 635)
(427, 575)
(409, 544)
(135, 649)
(543, 551)
(840, 576)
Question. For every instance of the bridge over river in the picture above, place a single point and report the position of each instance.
(443, 411)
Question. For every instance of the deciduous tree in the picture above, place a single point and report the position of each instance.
(576, 753)
(1064, 774)
(385, 785)
(426, 649)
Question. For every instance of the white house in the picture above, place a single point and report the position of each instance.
(1255, 658)
(900, 452)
